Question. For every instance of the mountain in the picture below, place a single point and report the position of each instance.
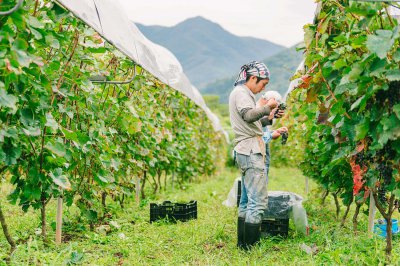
(281, 66)
(206, 51)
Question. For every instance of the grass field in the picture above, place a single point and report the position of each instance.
(210, 240)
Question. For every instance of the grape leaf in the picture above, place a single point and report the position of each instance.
(60, 179)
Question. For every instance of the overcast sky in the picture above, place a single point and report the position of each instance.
(279, 21)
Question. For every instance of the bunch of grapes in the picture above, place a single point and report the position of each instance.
(384, 160)
(390, 96)
(363, 158)
(397, 204)
(281, 106)
(386, 173)
(394, 90)
(284, 136)
(382, 196)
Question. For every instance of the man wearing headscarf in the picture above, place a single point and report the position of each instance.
(247, 121)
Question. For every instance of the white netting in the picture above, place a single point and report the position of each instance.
(294, 83)
(109, 20)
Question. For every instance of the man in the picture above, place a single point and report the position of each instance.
(247, 122)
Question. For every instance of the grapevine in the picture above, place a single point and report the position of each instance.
(62, 135)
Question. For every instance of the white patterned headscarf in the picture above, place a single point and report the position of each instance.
(272, 94)
(253, 68)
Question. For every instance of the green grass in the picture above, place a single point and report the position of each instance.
(209, 240)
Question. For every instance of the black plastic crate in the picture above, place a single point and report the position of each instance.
(274, 227)
(173, 211)
(161, 211)
(185, 211)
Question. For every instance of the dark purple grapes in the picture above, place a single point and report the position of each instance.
(382, 196)
(284, 136)
(281, 106)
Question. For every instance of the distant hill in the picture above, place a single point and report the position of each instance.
(206, 51)
(282, 66)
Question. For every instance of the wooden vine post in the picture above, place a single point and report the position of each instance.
(371, 216)
(59, 219)
(307, 187)
(137, 197)
(172, 180)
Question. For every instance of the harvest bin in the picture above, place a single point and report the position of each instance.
(282, 205)
(380, 227)
(173, 211)
(274, 227)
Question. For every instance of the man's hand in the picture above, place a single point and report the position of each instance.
(280, 113)
(272, 114)
(277, 133)
(282, 129)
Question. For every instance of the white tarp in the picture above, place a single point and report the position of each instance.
(294, 83)
(394, 12)
(109, 20)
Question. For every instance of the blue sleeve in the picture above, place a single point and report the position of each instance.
(267, 136)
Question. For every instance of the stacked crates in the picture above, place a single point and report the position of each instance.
(173, 211)
(275, 221)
